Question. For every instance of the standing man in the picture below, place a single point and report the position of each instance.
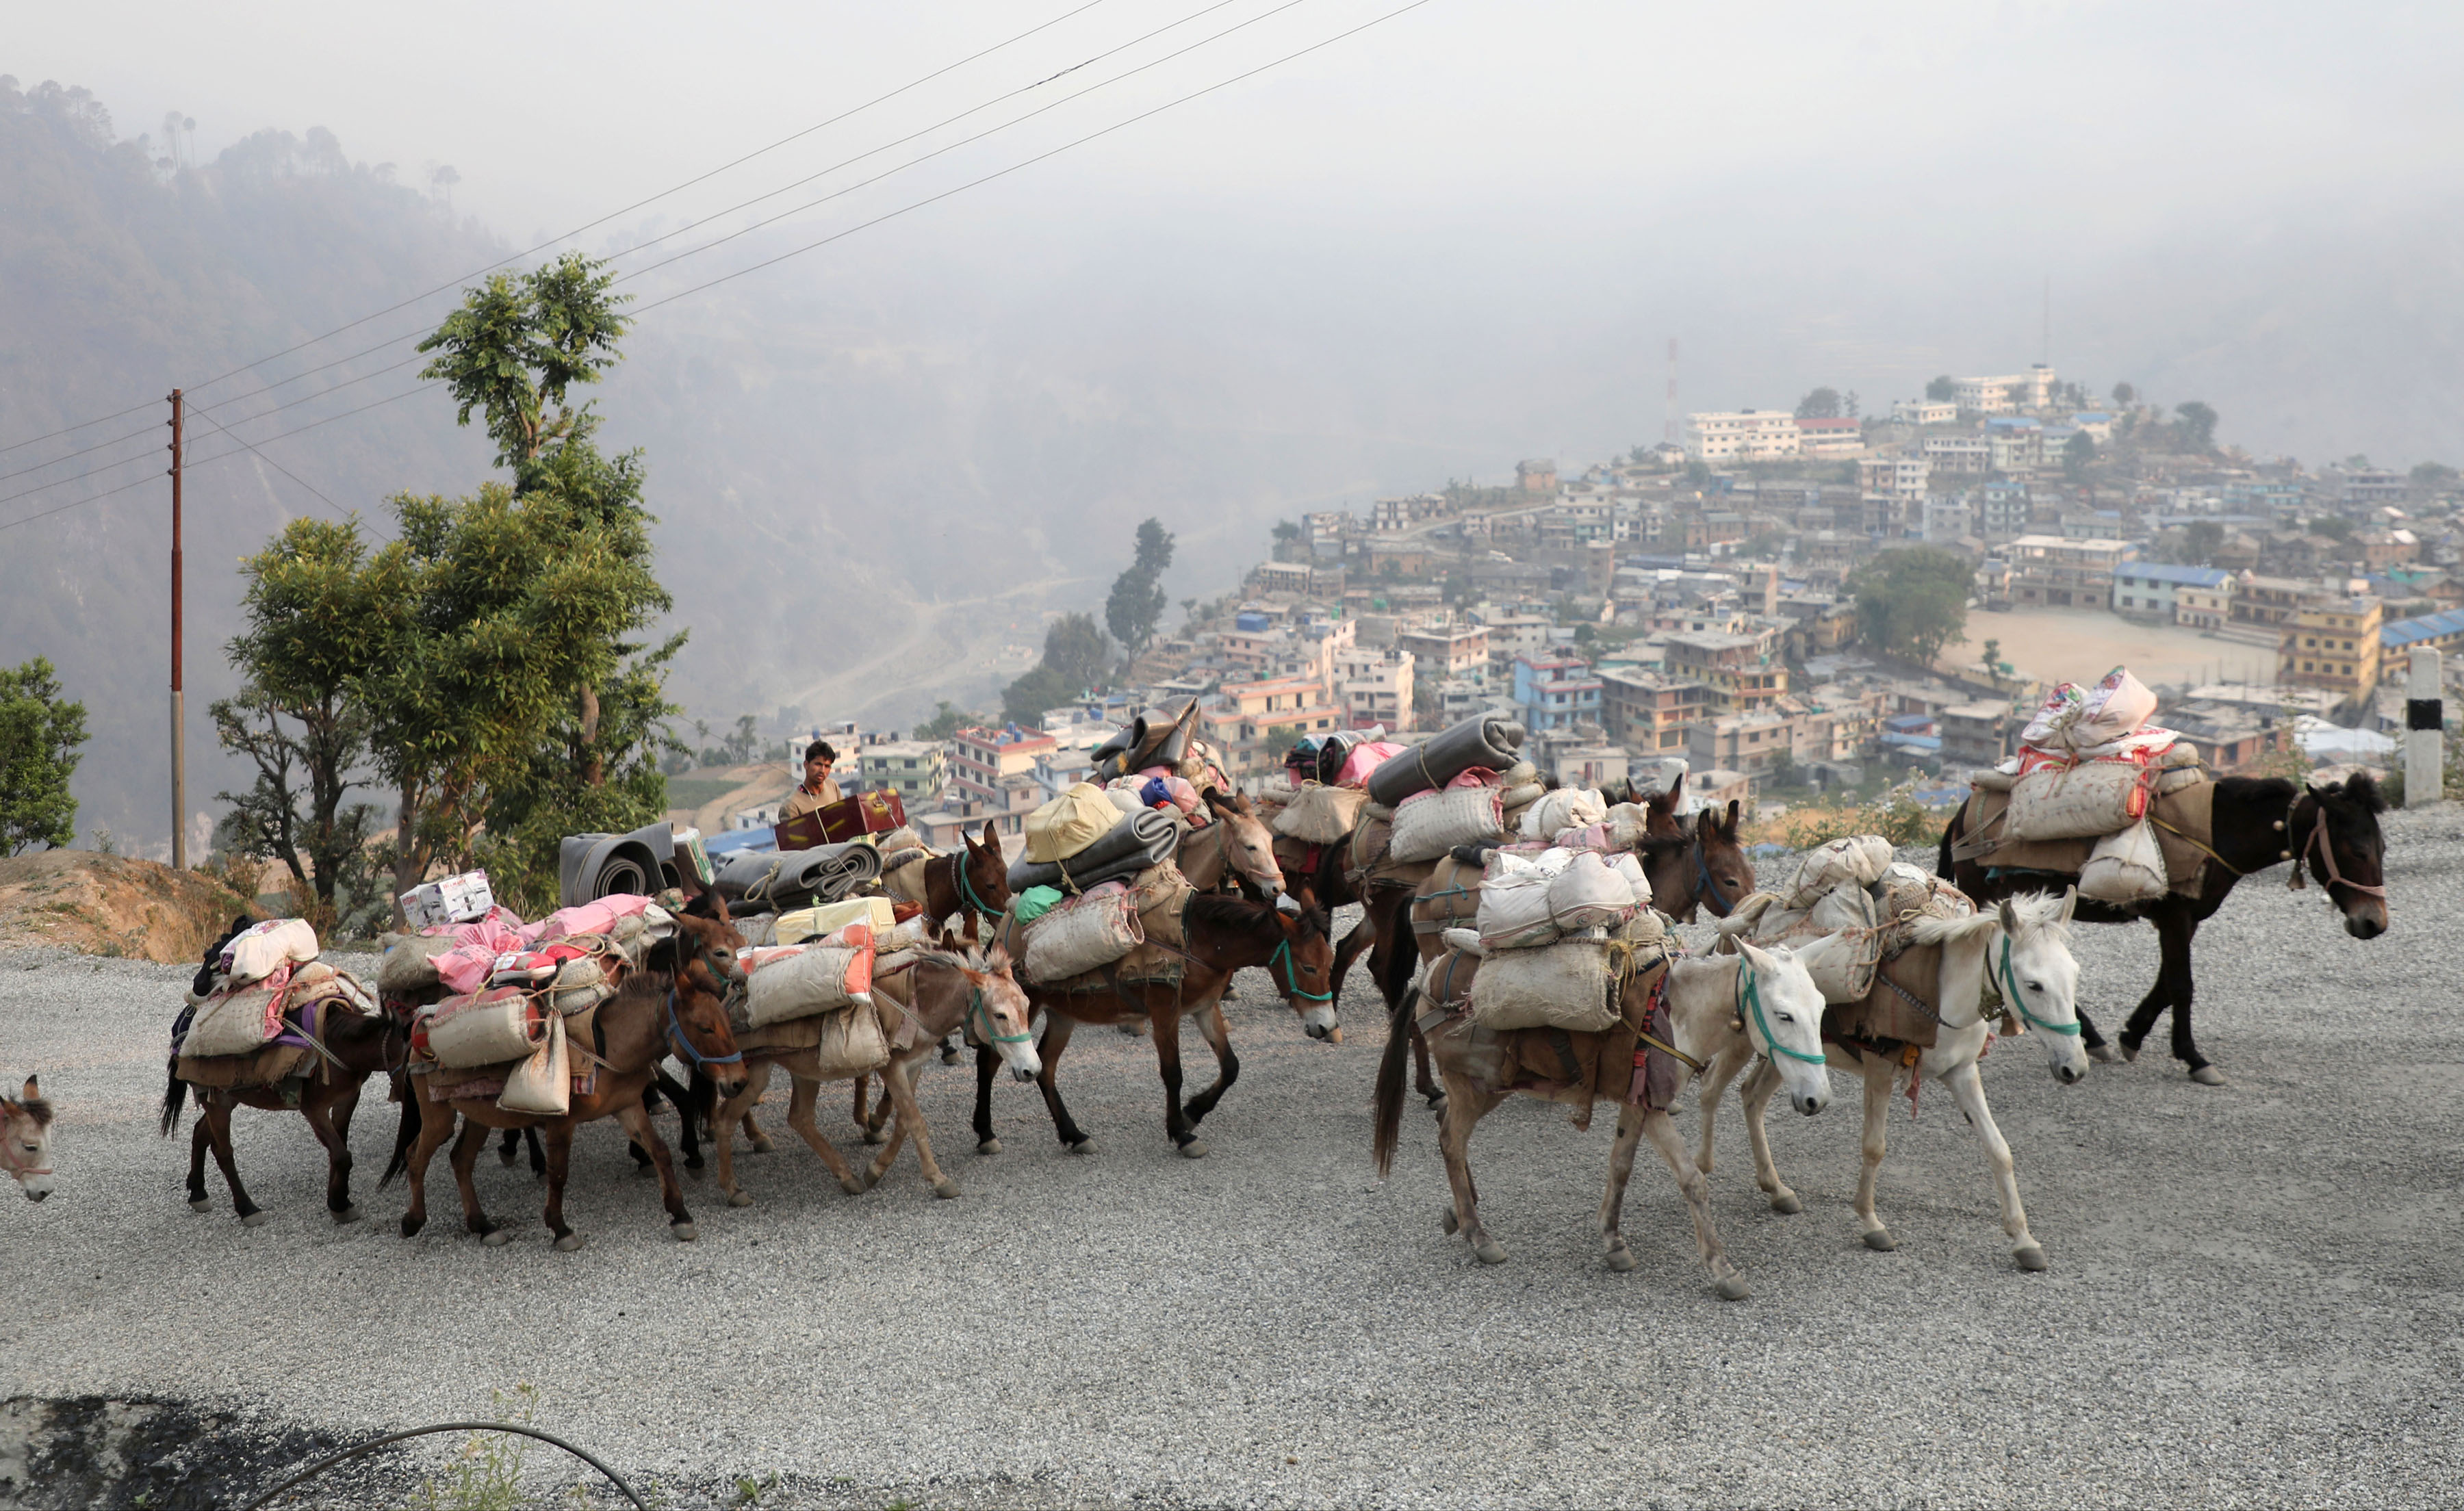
(818, 791)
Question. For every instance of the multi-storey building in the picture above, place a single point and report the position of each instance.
(980, 758)
(2032, 389)
(1743, 435)
(2333, 646)
(1446, 652)
(1830, 438)
(1251, 724)
(1969, 454)
(1743, 671)
(1924, 411)
(916, 770)
(1555, 693)
(1647, 711)
(2152, 590)
(1375, 686)
(2050, 572)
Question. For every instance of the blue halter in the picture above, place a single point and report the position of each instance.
(685, 1051)
(1707, 885)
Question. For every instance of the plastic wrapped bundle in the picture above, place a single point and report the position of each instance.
(775, 882)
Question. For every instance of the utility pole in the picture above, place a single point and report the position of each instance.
(179, 739)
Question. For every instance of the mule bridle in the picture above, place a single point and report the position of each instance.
(2323, 847)
(1707, 885)
(684, 1050)
(8, 1156)
(1749, 1005)
(964, 886)
(1292, 974)
(977, 1004)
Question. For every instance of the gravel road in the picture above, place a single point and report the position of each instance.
(2254, 1297)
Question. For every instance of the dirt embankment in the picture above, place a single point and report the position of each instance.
(111, 905)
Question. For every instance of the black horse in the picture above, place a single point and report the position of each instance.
(2331, 831)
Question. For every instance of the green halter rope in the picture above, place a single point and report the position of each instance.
(2011, 994)
(1749, 994)
(1292, 976)
(967, 887)
(991, 1030)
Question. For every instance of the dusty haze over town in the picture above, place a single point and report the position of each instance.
(1463, 236)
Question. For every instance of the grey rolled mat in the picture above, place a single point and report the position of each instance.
(796, 878)
(1142, 839)
(1486, 739)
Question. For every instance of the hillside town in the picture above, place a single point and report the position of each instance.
(1694, 605)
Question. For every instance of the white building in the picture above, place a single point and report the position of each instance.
(1743, 435)
(1924, 411)
(2032, 389)
(1831, 438)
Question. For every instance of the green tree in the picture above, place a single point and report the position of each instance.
(2201, 541)
(1912, 602)
(1941, 390)
(40, 732)
(1285, 530)
(2433, 476)
(2198, 425)
(1137, 599)
(948, 719)
(2078, 453)
(1154, 547)
(1993, 657)
(1074, 647)
(1025, 700)
(2124, 394)
(2334, 527)
(312, 631)
(1822, 403)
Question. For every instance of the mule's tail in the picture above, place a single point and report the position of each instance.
(1388, 1114)
(404, 1135)
(1403, 949)
(175, 1099)
(1941, 861)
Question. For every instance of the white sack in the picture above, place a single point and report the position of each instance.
(2126, 867)
(815, 979)
(1083, 933)
(1571, 985)
(1589, 895)
(1566, 808)
(2082, 801)
(1859, 861)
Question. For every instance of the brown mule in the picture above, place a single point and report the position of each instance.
(25, 1140)
(971, 880)
(673, 1005)
(1237, 847)
(946, 992)
(359, 1044)
(1223, 934)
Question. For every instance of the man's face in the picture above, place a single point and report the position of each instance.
(817, 771)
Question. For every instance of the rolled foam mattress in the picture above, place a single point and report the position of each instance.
(1487, 740)
(796, 878)
(1144, 838)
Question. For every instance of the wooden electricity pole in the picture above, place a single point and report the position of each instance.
(179, 739)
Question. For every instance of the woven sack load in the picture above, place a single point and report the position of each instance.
(1857, 861)
(852, 1043)
(1513, 913)
(1320, 815)
(258, 952)
(2083, 801)
(409, 964)
(237, 1021)
(2125, 867)
(2115, 707)
(1556, 812)
(581, 985)
(1069, 824)
(1428, 825)
(1842, 963)
(270, 1064)
(541, 1084)
(1083, 933)
(787, 981)
(485, 1028)
(1843, 908)
(1905, 888)
(1572, 984)
(1587, 894)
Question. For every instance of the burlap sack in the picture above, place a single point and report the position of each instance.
(1429, 824)
(1083, 933)
(486, 1028)
(2126, 867)
(1572, 984)
(1320, 815)
(2088, 801)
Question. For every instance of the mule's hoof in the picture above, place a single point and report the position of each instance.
(947, 1189)
(875, 1136)
(2029, 1256)
(1452, 1226)
(350, 1213)
(1437, 1102)
(411, 1225)
(646, 1167)
(764, 1144)
(1732, 1288)
(509, 1155)
(694, 1164)
(852, 1185)
(1622, 1259)
(739, 1199)
(254, 1219)
(990, 1145)
(685, 1231)
(497, 1238)
(200, 1204)
(1195, 1148)
(1787, 1201)
(1084, 1146)
(1487, 1250)
(1334, 1035)
(2106, 1053)
(1881, 1241)
(2208, 1075)
(2129, 1050)
(949, 1057)
(570, 1243)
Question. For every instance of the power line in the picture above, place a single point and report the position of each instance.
(935, 198)
(81, 424)
(63, 482)
(338, 510)
(730, 210)
(96, 446)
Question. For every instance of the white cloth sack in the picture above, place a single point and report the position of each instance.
(1514, 911)
(1566, 808)
(1320, 815)
(1589, 895)
(1842, 907)
(543, 1084)
(2114, 708)
(1430, 824)
(1083, 933)
(486, 1028)
(1905, 888)
(237, 1021)
(2126, 867)
(1571, 985)
(1857, 861)
(256, 953)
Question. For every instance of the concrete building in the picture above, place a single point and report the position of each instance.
(1449, 652)
(1976, 735)
(2198, 608)
(1555, 693)
(2333, 646)
(1536, 475)
(1742, 435)
(2442, 632)
(2032, 389)
(1970, 455)
(1648, 711)
(1743, 671)
(2050, 572)
(1252, 724)
(2151, 590)
(1830, 438)
(1374, 686)
(980, 758)
(1925, 411)
(916, 770)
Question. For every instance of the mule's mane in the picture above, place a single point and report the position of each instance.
(36, 1109)
(1255, 920)
(2040, 914)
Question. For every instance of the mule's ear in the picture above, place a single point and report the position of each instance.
(2009, 916)
(1676, 791)
(1707, 825)
(1728, 830)
(33, 1092)
(1212, 798)
(996, 960)
(992, 839)
(2070, 903)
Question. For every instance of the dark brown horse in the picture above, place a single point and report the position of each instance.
(356, 1045)
(971, 880)
(2331, 831)
(673, 1005)
(1223, 934)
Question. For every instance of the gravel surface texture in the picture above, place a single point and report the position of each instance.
(2254, 1297)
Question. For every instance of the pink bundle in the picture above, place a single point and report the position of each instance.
(1364, 759)
(465, 968)
(595, 917)
(1476, 776)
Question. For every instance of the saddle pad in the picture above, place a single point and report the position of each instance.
(232, 1072)
(1449, 899)
(1881, 1014)
(2191, 810)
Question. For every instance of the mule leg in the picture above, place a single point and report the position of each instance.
(883, 1106)
(1165, 1022)
(1879, 1077)
(559, 1164)
(435, 1126)
(671, 1191)
(688, 1136)
(1057, 1029)
(2093, 1041)
(1969, 1088)
(1423, 1081)
(338, 1156)
(1756, 1102)
(1629, 1133)
(801, 1099)
(1348, 950)
(1227, 1064)
(1664, 1137)
(1724, 1069)
(508, 1145)
(465, 1161)
(2186, 1049)
(723, 1122)
(911, 1116)
(862, 1122)
(214, 1115)
(987, 1069)
(883, 1109)
(1465, 1106)
(198, 1200)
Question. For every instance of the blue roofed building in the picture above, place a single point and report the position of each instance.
(2441, 632)
(2146, 589)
